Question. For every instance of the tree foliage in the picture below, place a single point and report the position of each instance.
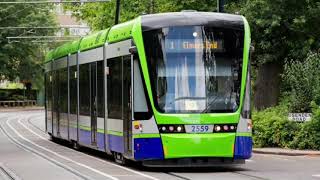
(23, 58)
(302, 80)
(101, 15)
(281, 29)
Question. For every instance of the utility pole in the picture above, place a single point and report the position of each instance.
(116, 21)
(220, 6)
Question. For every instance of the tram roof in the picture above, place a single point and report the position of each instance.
(193, 18)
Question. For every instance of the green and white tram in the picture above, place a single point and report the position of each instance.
(169, 89)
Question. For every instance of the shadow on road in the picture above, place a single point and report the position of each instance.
(217, 168)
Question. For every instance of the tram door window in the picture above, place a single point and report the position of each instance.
(100, 87)
(55, 102)
(73, 102)
(63, 103)
(114, 88)
(93, 102)
(48, 81)
(100, 104)
(84, 90)
(126, 94)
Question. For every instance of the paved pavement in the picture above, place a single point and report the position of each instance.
(287, 152)
(26, 153)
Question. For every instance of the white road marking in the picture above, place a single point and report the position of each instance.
(249, 160)
(62, 157)
(127, 169)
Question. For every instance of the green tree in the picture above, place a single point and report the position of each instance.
(23, 58)
(281, 30)
(101, 15)
(303, 82)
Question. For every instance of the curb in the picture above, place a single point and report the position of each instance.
(21, 109)
(287, 153)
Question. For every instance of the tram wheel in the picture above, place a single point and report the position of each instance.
(118, 158)
(75, 145)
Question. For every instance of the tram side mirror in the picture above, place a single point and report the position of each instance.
(133, 50)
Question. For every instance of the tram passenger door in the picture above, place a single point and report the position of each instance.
(119, 105)
(88, 104)
(55, 99)
(93, 102)
(127, 104)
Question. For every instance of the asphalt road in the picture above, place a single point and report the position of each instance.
(27, 153)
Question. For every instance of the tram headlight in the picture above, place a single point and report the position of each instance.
(225, 127)
(217, 128)
(171, 128)
(179, 128)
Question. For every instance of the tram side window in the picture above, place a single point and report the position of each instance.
(63, 88)
(246, 111)
(73, 89)
(114, 81)
(100, 87)
(48, 94)
(55, 92)
(141, 110)
(84, 89)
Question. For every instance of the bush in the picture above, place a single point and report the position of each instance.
(302, 82)
(309, 135)
(17, 94)
(272, 127)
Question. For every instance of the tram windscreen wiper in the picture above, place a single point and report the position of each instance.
(214, 102)
(186, 97)
(209, 106)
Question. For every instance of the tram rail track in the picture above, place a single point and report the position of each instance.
(44, 137)
(41, 155)
(7, 174)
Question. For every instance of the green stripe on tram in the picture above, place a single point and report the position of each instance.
(116, 133)
(248, 134)
(146, 135)
(85, 128)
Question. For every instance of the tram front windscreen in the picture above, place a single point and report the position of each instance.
(195, 69)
